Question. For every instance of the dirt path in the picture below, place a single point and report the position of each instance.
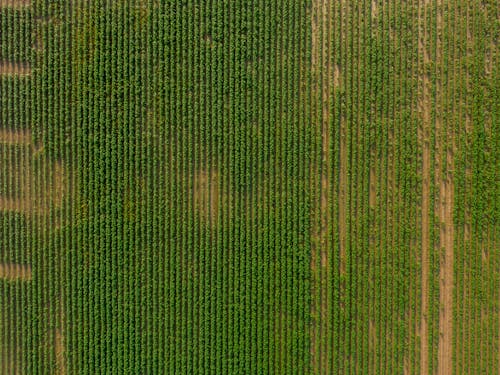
(343, 184)
(322, 87)
(14, 271)
(425, 108)
(445, 185)
(14, 68)
(15, 3)
(446, 197)
(59, 351)
(15, 137)
(206, 194)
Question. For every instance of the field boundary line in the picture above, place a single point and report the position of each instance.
(446, 188)
(321, 70)
(425, 108)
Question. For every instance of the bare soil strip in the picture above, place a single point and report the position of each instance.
(14, 271)
(342, 198)
(445, 185)
(14, 68)
(373, 191)
(60, 185)
(424, 108)
(446, 193)
(59, 351)
(206, 194)
(322, 69)
(15, 137)
(15, 3)
(374, 10)
(16, 205)
(39, 191)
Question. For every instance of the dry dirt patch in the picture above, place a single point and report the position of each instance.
(374, 9)
(59, 351)
(60, 185)
(206, 193)
(15, 3)
(14, 68)
(445, 184)
(13, 137)
(31, 189)
(424, 109)
(321, 69)
(373, 191)
(14, 271)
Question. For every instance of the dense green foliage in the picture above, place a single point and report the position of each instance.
(188, 137)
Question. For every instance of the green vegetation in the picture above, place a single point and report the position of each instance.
(237, 187)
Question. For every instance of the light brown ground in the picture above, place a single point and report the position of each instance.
(445, 185)
(17, 205)
(59, 351)
(14, 3)
(374, 9)
(19, 170)
(39, 190)
(13, 137)
(342, 198)
(424, 108)
(446, 197)
(14, 271)
(60, 185)
(206, 193)
(373, 191)
(17, 68)
(321, 68)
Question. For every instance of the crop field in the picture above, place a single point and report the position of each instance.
(249, 187)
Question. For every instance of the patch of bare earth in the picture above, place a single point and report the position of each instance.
(425, 109)
(321, 69)
(14, 137)
(15, 3)
(206, 194)
(19, 174)
(446, 197)
(59, 351)
(14, 271)
(445, 186)
(60, 185)
(374, 10)
(36, 190)
(343, 148)
(14, 68)
(373, 180)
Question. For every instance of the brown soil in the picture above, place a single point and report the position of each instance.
(373, 192)
(206, 194)
(424, 108)
(8, 364)
(446, 197)
(374, 9)
(14, 271)
(17, 198)
(445, 185)
(13, 137)
(14, 3)
(342, 203)
(59, 351)
(14, 68)
(60, 185)
(321, 69)
(38, 190)
(336, 76)
(17, 205)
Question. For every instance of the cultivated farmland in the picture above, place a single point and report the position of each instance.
(249, 187)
